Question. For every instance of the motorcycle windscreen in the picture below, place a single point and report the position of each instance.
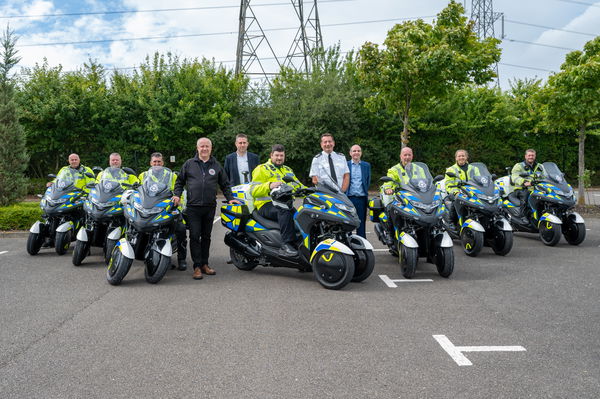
(552, 174)
(156, 186)
(478, 175)
(420, 181)
(65, 182)
(110, 183)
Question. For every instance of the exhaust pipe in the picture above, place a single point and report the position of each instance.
(233, 242)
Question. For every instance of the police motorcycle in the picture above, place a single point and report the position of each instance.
(480, 218)
(62, 214)
(104, 221)
(409, 222)
(325, 222)
(549, 210)
(150, 225)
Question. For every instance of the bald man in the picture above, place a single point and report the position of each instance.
(77, 171)
(201, 175)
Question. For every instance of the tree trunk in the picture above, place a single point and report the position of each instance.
(404, 136)
(581, 185)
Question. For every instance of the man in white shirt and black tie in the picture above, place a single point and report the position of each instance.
(330, 165)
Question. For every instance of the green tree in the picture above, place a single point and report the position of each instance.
(422, 61)
(573, 98)
(13, 154)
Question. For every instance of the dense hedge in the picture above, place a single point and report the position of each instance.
(19, 216)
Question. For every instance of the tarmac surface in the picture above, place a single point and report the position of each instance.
(528, 323)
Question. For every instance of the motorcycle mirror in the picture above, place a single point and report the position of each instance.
(440, 178)
(385, 179)
(40, 196)
(97, 169)
(494, 177)
(129, 171)
(51, 176)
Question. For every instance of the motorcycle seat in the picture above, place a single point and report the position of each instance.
(512, 197)
(268, 223)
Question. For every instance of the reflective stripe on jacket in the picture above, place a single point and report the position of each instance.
(265, 174)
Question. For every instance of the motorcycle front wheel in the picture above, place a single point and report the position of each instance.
(34, 243)
(502, 242)
(574, 232)
(364, 263)
(157, 265)
(109, 245)
(444, 261)
(62, 242)
(118, 267)
(408, 258)
(333, 270)
(80, 251)
(550, 233)
(472, 241)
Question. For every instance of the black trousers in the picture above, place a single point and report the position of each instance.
(285, 218)
(181, 234)
(200, 222)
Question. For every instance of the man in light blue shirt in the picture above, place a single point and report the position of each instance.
(358, 190)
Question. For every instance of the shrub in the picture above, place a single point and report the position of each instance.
(19, 216)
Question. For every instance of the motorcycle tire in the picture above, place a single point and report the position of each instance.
(550, 233)
(364, 263)
(157, 265)
(574, 232)
(333, 270)
(80, 251)
(408, 258)
(444, 261)
(240, 261)
(109, 245)
(118, 267)
(502, 242)
(62, 242)
(34, 243)
(472, 241)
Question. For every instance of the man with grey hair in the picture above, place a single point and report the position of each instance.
(201, 175)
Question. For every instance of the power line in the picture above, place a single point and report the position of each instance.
(525, 67)
(208, 34)
(539, 44)
(76, 14)
(549, 27)
(579, 2)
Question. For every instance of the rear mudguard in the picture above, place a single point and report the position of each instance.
(163, 247)
(125, 248)
(82, 235)
(331, 245)
(548, 217)
(358, 242)
(503, 225)
(407, 240)
(66, 226)
(473, 225)
(115, 234)
(575, 216)
(35, 228)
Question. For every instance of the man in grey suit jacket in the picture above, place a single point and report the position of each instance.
(240, 164)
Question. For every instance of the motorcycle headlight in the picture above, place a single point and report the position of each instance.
(57, 201)
(145, 211)
(345, 208)
(427, 207)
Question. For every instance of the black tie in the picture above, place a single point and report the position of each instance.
(332, 170)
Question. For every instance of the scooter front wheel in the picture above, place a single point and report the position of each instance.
(408, 257)
(574, 233)
(333, 270)
(109, 245)
(550, 233)
(444, 261)
(34, 243)
(472, 241)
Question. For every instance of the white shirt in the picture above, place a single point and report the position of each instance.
(242, 164)
(320, 167)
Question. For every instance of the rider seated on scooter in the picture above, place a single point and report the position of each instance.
(267, 177)
(461, 171)
(114, 161)
(522, 184)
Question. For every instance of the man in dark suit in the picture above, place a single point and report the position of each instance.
(358, 190)
(240, 164)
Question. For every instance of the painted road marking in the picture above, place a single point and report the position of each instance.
(380, 250)
(217, 218)
(456, 352)
(391, 283)
(3, 252)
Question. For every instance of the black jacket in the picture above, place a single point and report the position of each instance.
(201, 179)
(231, 167)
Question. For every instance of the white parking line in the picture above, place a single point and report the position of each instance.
(456, 352)
(380, 250)
(391, 283)
(3, 252)
(217, 218)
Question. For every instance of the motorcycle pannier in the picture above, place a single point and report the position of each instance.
(375, 209)
(235, 216)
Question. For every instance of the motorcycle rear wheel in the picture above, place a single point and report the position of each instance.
(240, 261)
(550, 233)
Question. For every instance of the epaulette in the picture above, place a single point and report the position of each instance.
(318, 155)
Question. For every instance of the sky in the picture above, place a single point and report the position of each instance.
(538, 33)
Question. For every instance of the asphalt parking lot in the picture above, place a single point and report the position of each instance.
(524, 325)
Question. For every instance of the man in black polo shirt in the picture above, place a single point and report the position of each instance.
(201, 175)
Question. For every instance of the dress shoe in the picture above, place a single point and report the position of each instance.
(207, 270)
(182, 264)
(197, 274)
(287, 251)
